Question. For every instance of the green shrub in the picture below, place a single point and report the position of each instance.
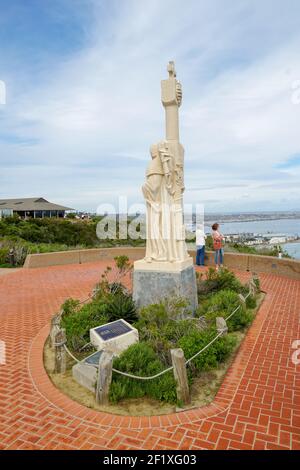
(240, 320)
(159, 325)
(23, 247)
(224, 279)
(216, 281)
(175, 330)
(155, 314)
(215, 353)
(161, 313)
(78, 322)
(251, 302)
(69, 307)
(151, 324)
(68, 232)
(4, 252)
(209, 243)
(224, 300)
(262, 251)
(122, 263)
(257, 283)
(222, 304)
(140, 359)
(224, 346)
(195, 341)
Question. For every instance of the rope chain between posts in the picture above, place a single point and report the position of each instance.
(58, 345)
(70, 354)
(187, 362)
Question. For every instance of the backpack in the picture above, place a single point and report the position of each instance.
(217, 244)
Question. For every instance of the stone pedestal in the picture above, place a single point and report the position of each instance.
(156, 281)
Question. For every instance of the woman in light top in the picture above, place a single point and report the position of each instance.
(200, 246)
(218, 245)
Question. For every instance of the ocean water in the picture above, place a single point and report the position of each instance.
(280, 226)
(263, 227)
(293, 249)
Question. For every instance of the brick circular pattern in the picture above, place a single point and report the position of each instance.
(257, 406)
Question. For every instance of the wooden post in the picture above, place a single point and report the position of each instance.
(255, 281)
(60, 352)
(180, 375)
(252, 287)
(221, 325)
(55, 325)
(104, 377)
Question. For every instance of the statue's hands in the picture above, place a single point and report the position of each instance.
(169, 184)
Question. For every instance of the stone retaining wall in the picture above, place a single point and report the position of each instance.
(242, 262)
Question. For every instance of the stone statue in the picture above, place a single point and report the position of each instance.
(167, 269)
(164, 187)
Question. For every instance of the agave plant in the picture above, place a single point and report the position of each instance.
(121, 306)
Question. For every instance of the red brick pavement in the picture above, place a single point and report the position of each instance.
(257, 406)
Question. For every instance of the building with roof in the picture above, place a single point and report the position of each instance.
(31, 207)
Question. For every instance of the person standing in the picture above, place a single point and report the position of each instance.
(200, 246)
(217, 244)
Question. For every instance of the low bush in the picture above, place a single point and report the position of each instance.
(222, 304)
(257, 283)
(212, 356)
(140, 359)
(160, 314)
(251, 302)
(160, 326)
(21, 248)
(223, 301)
(78, 321)
(240, 320)
(4, 255)
(259, 250)
(51, 234)
(216, 281)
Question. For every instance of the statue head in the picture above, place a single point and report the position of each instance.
(154, 150)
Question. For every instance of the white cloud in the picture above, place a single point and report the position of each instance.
(82, 133)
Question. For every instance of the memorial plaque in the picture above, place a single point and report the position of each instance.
(115, 336)
(93, 359)
(112, 330)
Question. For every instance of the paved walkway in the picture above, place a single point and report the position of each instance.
(4, 271)
(257, 406)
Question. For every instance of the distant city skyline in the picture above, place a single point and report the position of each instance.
(82, 99)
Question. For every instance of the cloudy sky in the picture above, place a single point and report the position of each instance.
(83, 99)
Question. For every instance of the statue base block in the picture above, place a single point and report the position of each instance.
(150, 286)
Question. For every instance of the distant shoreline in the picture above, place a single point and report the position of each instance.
(260, 219)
